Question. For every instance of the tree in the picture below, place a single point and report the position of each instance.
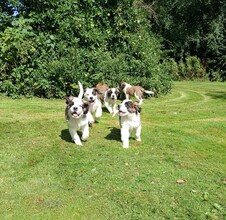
(90, 41)
(195, 28)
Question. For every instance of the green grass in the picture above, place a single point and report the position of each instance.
(45, 176)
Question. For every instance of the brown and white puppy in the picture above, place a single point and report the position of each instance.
(136, 91)
(101, 90)
(76, 115)
(110, 99)
(129, 119)
(92, 97)
(108, 96)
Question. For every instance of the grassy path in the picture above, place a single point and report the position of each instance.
(45, 176)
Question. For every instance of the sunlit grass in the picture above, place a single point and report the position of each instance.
(45, 176)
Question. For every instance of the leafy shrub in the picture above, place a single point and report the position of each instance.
(189, 69)
(195, 70)
(48, 49)
(193, 27)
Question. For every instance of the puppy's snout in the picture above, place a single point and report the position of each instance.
(91, 98)
(75, 109)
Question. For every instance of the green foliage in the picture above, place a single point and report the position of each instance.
(193, 27)
(17, 50)
(47, 46)
(52, 45)
(189, 69)
(195, 69)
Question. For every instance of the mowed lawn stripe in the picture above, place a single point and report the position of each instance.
(178, 171)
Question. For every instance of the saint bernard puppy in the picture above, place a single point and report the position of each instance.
(136, 91)
(129, 119)
(108, 96)
(110, 99)
(76, 115)
(95, 106)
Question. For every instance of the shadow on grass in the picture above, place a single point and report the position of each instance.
(104, 109)
(65, 135)
(114, 134)
(217, 95)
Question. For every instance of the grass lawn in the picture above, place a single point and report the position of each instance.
(46, 176)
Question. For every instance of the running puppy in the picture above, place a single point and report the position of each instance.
(95, 106)
(136, 91)
(76, 117)
(108, 96)
(101, 88)
(129, 119)
(110, 99)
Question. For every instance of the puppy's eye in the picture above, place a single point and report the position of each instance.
(128, 104)
(71, 103)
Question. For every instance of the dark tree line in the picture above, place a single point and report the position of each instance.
(196, 28)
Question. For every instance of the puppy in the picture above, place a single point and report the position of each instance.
(110, 99)
(101, 88)
(108, 96)
(136, 91)
(129, 119)
(76, 116)
(95, 106)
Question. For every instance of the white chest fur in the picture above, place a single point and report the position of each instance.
(128, 124)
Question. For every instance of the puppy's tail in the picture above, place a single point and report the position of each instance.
(149, 92)
(81, 90)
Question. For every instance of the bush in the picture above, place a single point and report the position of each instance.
(108, 41)
(190, 69)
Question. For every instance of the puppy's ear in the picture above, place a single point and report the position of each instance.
(137, 107)
(95, 91)
(69, 99)
(123, 84)
(130, 107)
(85, 107)
(109, 91)
(118, 91)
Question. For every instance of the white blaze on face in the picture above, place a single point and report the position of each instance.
(123, 108)
(113, 93)
(76, 108)
(90, 95)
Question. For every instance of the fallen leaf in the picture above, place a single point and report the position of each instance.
(181, 181)
(40, 200)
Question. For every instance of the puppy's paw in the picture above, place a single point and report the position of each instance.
(110, 110)
(98, 115)
(125, 146)
(115, 113)
(84, 138)
(78, 142)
